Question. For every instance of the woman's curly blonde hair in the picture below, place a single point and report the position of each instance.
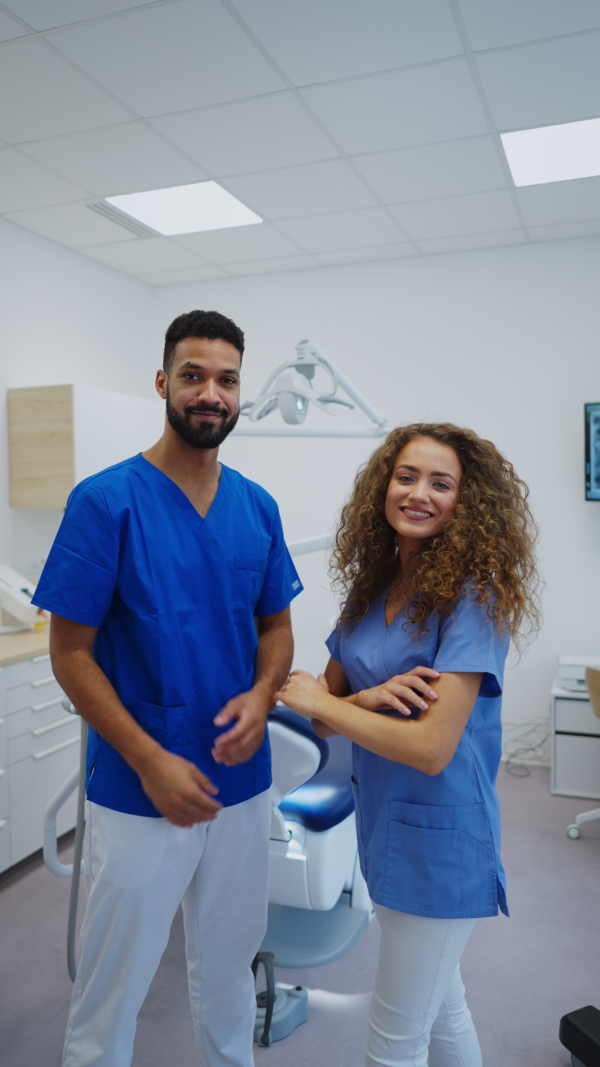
(489, 540)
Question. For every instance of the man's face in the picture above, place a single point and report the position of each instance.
(202, 391)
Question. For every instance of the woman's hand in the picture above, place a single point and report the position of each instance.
(301, 693)
(400, 693)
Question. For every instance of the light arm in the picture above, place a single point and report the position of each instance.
(427, 743)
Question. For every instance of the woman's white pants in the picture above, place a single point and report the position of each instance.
(138, 870)
(419, 1015)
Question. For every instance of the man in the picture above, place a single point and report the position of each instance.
(169, 584)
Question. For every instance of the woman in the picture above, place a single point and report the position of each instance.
(435, 558)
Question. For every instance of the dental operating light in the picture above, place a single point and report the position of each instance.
(289, 390)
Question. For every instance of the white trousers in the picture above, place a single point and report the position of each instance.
(419, 1015)
(138, 870)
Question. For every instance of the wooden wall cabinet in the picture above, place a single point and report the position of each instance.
(59, 434)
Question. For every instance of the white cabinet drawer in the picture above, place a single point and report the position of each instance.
(3, 793)
(4, 844)
(576, 766)
(27, 670)
(576, 716)
(36, 716)
(33, 783)
(35, 692)
(42, 742)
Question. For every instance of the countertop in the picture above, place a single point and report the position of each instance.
(24, 645)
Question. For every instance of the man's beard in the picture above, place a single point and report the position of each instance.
(200, 434)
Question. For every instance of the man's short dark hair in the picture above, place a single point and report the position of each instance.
(209, 324)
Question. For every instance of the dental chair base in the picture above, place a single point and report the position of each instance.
(278, 1010)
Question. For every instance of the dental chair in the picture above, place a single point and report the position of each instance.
(318, 900)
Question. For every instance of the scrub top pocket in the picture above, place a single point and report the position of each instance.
(434, 865)
(169, 726)
(249, 577)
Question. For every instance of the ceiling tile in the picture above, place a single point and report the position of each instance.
(24, 183)
(44, 14)
(271, 131)
(437, 170)
(568, 229)
(308, 190)
(170, 58)
(458, 215)
(183, 277)
(559, 202)
(144, 256)
(42, 96)
(9, 29)
(366, 255)
(239, 243)
(271, 266)
(71, 224)
(543, 84)
(322, 40)
(410, 107)
(344, 229)
(129, 157)
(481, 240)
(490, 24)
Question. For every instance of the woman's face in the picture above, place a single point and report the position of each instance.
(423, 490)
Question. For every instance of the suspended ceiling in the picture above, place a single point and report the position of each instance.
(357, 130)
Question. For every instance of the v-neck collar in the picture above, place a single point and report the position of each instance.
(202, 527)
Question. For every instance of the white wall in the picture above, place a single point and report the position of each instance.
(504, 341)
(64, 319)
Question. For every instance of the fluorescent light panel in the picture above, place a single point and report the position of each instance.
(554, 153)
(186, 208)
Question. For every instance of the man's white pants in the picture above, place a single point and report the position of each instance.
(138, 870)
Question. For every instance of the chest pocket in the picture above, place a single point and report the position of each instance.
(249, 576)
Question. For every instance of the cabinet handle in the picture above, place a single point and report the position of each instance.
(2, 823)
(51, 726)
(55, 748)
(46, 704)
(43, 681)
(2, 771)
(40, 659)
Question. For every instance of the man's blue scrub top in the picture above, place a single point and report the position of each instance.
(430, 845)
(175, 597)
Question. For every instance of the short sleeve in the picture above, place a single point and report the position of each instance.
(471, 642)
(334, 644)
(79, 579)
(281, 583)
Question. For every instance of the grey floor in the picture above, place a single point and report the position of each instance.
(521, 973)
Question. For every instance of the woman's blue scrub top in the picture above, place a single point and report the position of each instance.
(174, 596)
(430, 845)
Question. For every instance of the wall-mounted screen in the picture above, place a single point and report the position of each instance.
(592, 451)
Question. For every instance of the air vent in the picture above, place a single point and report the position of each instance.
(121, 219)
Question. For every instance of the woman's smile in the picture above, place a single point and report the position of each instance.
(423, 491)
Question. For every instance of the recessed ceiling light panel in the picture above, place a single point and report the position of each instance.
(554, 153)
(186, 208)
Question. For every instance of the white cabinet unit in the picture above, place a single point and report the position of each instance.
(575, 745)
(39, 747)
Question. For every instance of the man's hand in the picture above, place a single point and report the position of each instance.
(178, 789)
(242, 741)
